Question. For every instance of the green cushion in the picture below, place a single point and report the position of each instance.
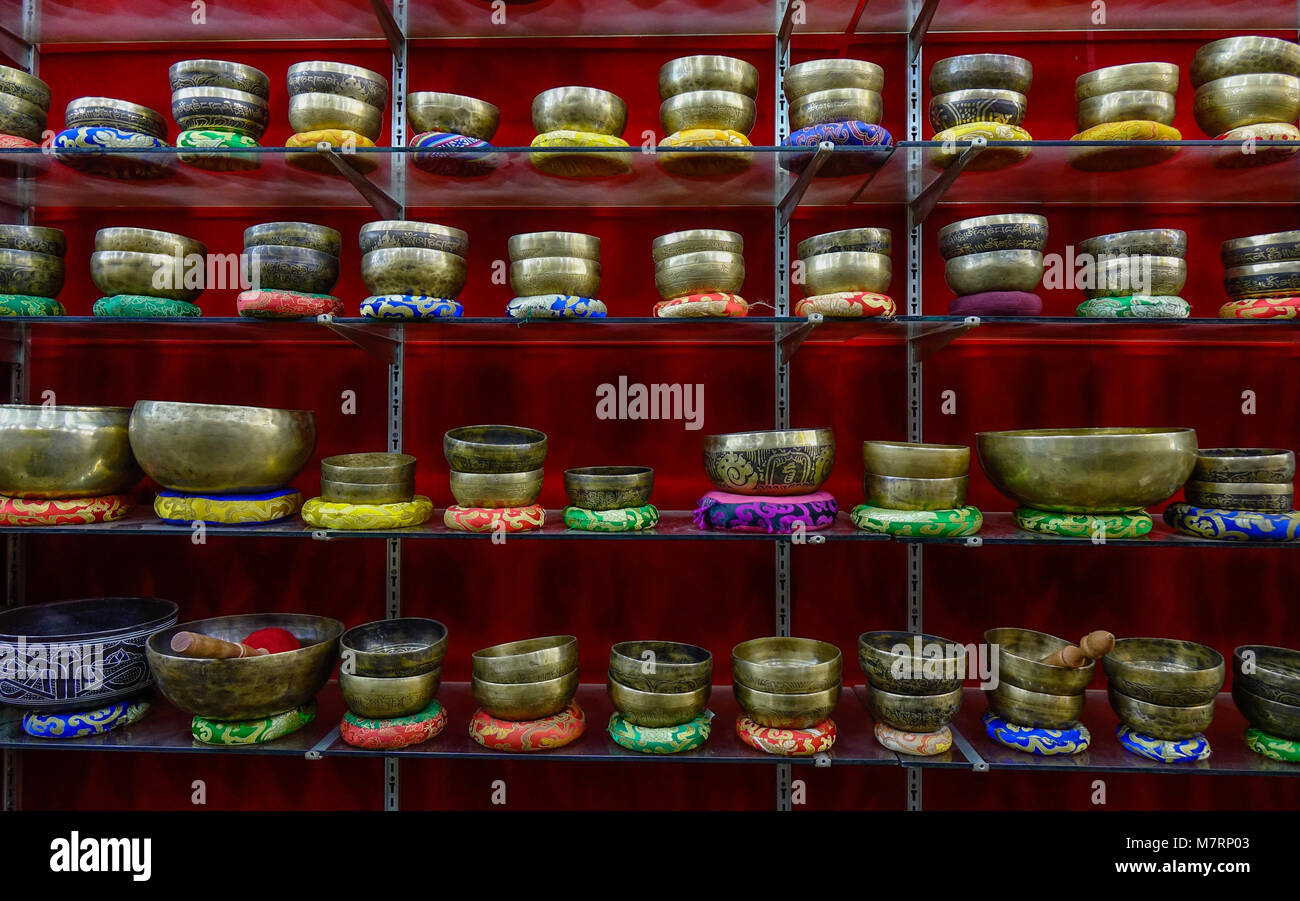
(621, 519)
(917, 523)
(252, 732)
(666, 740)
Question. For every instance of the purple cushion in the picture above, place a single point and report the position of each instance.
(997, 303)
(756, 513)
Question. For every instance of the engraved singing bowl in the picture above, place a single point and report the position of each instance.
(413, 270)
(782, 710)
(1122, 106)
(33, 238)
(994, 270)
(954, 108)
(62, 452)
(847, 270)
(982, 234)
(1036, 709)
(786, 665)
(1244, 464)
(609, 487)
(1088, 470)
(26, 272)
(407, 233)
(87, 112)
(891, 660)
(1141, 274)
(496, 489)
(661, 666)
(914, 494)
(148, 240)
(18, 83)
(579, 109)
(316, 112)
(1227, 103)
(407, 646)
(21, 117)
(913, 713)
(827, 74)
(657, 709)
(1243, 55)
(335, 491)
(1274, 247)
(1262, 280)
(1159, 720)
(696, 240)
(281, 267)
(369, 468)
(708, 109)
(494, 448)
(780, 462)
(1165, 671)
(386, 697)
(97, 631)
(836, 105)
(453, 114)
(150, 274)
(1269, 716)
(911, 460)
(222, 109)
(294, 234)
(217, 449)
(555, 275)
(522, 701)
(1128, 77)
(553, 244)
(701, 272)
(981, 70)
(848, 240)
(707, 73)
(317, 77)
(1276, 672)
(246, 688)
(529, 660)
(1160, 242)
(1264, 497)
(1020, 655)
(218, 73)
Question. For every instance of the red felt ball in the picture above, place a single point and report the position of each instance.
(273, 640)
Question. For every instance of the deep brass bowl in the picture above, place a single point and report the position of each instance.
(406, 233)
(525, 700)
(696, 240)
(848, 240)
(1141, 274)
(222, 109)
(1260, 497)
(847, 270)
(316, 112)
(212, 448)
(555, 275)
(836, 105)
(1128, 77)
(148, 240)
(609, 487)
(783, 461)
(1165, 671)
(982, 234)
(1275, 247)
(337, 492)
(1262, 280)
(33, 238)
(911, 663)
(708, 109)
(1244, 464)
(994, 270)
(553, 244)
(294, 234)
(21, 117)
(981, 70)
(62, 452)
(1269, 716)
(707, 73)
(452, 113)
(953, 108)
(914, 494)
(1158, 720)
(815, 75)
(496, 489)
(246, 688)
(913, 713)
(31, 273)
(1227, 103)
(386, 697)
(281, 267)
(910, 460)
(1243, 55)
(661, 666)
(657, 709)
(579, 109)
(786, 665)
(413, 270)
(1020, 654)
(1122, 106)
(529, 660)
(1159, 242)
(369, 468)
(317, 77)
(701, 272)
(150, 274)
(1035, 708)
(87, 112)
(218, 73)
(494, 448)
(1275, 672)
(407, 646)
(787, 710)
(18, 83)
(1088, 470)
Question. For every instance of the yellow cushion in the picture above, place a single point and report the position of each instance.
(992, 157)
(714, 163)
(335, 137)
(1115, 159)
(580, 165)
(324, 514)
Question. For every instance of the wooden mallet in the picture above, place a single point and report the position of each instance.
(1092, 646)
(194, 644)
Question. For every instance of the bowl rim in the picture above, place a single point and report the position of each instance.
(926, 638)
(1090, 432)
(593, 472)
(1114, 660)
(994, 219)
(772, 438)
(161, 621)
(673, 665)
(66, 408)
(1140, 703)
(814, 644)
(913, 445)
(156, 646)
(523, 431)
(374, 624)
(1090, 666)
(520, 686)
(1236, 660)
(559, 642)
(185, 403)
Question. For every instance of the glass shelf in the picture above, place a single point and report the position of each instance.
(1000, 528)
(1243, 16)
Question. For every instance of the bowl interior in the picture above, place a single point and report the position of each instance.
(786, 652)
(78, 620)
(666, 653)
(899, 645)
(310, 630)
(527, 646)
(497, 435)
(394, 636)
(1164, 655)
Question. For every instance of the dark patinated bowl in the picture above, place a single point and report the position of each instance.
(609, 487)
(1274, 247)
(317, 77)
(413, 270)
(660, 666)
(847, 240)
(494, 448)
(1268, 672)
(29, 273)
(1269, 465)
(787, 710)
(1159, 720)
(218, 73)
(294, 234)
(529, 660)
(222, 109)
(407, 646)
(657, 709)
(386, 697)
(24, 86)
(953, 108)
(893, 661)
(339, 492)
(452, 114)
(369, 469)
(1020, 654)
(280, 267)
(1160, 242)
(21, 118)
(525, 700)
(784, 665)
(132, 272)
(106, 112)
(496, 489)
(1269, 716)
(1037, 709)
(913, 713)
(148, 240)
(409, 233)
(62, 452)
(785, 461)
(33, 238)
(1165, 671)
(1006, 231)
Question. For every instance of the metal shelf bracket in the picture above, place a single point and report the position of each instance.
(977, 763)
(382, 344)
(928, 199)
(916, 37)
(392, 32)
(792, 197)
(374, 195)
(792, 340)
(927, 339)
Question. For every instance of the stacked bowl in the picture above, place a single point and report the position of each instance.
(1239, 494)
(768, 481)
(452, 132)
(1266, 689)
(31, 270)
(336, 104)
(913, 689)
(413, 270)
(147, 274)
(24, 106)
(994, 263)
(579, 117)
(698, 272)
(660, 692)
(707, 101)
(979, 95)
(835, 101)
(787, 689)
(292, 268)
(1136, 275)
(1248, 91)
(916, 490)
(1132, 102)
(555, 275)
(1163, 691)
(610, 499)
(1035, 706)
(845, 274)
(389, 677)
(525, 691)
(364, 492)
(496, 476)
(1261, 275)
(219, 106)
(94, 127)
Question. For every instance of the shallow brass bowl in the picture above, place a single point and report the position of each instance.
(218, 73)
(893, 661)
(405, 233)
(148, 240)
(1262, 280)
(413, 270)
(385, 697)
(982, 234)
(494, 448)
(1227, 103)
(1128, 77)
(553, 244)
(130, 272)
(33, 238)
(981, 70)
(1243, 55)
(1140, 274)
(369, 468)
(223, 109)
(847, 270)
(555, 275)
(316, 112)
(786, 665)
(1261, 497)
(1159, 242)
(1244, 464)
(994, 270)
(848, 240)
(913, 713)
(294, 234)
(1159, 720)
(213, 448)
(815, 75)
(496, 489)
(707, 73)
(31, 273)
(704, 271)
(87, 112)
(337, 492)
(609, 487)
(281, 267)
(525, 700)
(452, 113)
(780, 462)
(1276, 672)
(780, 710)
(1035, 708)
(529, 660)
(661, 666)
(62, 452)
(894, 493)
(909, 460)
(407, 646)
(1122, 106)
(696, 240)
(1165, 671)
(836, 105)
(21, 117)
(27, 87)
(1020, 654)
(1275, 247)
(317, 77)
(708, 109)
(579, 109)
(1269, 716)
(657, 709)
(954, 108)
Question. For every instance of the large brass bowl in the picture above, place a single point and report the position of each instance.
(1035, 708)
(407, 646)
(34, 238)
(953, 108)
(1020, 654)
(218, 73)
(982, 234)
(386, 697)
(1159, 720)
(1274, 247)
(87, 112)
(1270, 465)
(864, 240)
(222, 109)
(1156, 242)
(316, 112)
(1274, 672)
(661, 666)
(553, 244)
(911, 663)
(914, 494)
(802, 79)
(295, 234)
(836, 105)
(413, 270)
(1088, 470)
(1128, 77)
(708, 109)
(707, 73)
(369, 468)
(496, 489)
(780, 462)
(704, 271)
(1123, 106)
(525, 700)
(494, 448)
(912, 460)
(148, 240)
(579, 109)
(150, 274)
(1243, 55)
(62, 452)
(555, 275)
(1263, 280)
(1142, 274)
(609, 487)
(218, 449)
(452, 113)
(786, 665)
(529, 660)
(847, 270)
(281, 267)
(1227, 103)
(30, 273)
(1165, 671)
(317, 77)
(913, 713)
(245, 688)
(793, 710)
(994, 270)
(1269, 716)
(407, 233)
(981, 70)
(696, 240)
(21, 117)
(657, 709)
(27, 87)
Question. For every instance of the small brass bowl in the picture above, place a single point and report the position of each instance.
(1244, 464)
(316, 77)
(704, 271)
(708, 109)
(1165, 671)
(529, 660)
(1122, 106)
(21, 117)
(521, 701)
(953, 108)
(336, 492)
(1160, 242)
(148, 240)
(1007, 231)
(1243, 55)
(657, 709)
(496, 489)
(34, 239)
(222, 109)
(553, 244)
(407, 646)
(452, 113)
(836, 105)
(994, 270)
(848, 240)
(60, 452)
(609, 487)
(894, 661)
(1275, 675)
(30, 273)
(847, 270)
(294, 234)
(786, 665)
(707, 73)
(386, 697)
(1141, 274)
(218, 73)
(1272, 717)
(815, 75)
(281, 267)
(87, 112)
(1020, 654)
(1035, 708)
(130, 272)
(780, 462)
(914, 494)
(696, 240)
(579, 109)
(316, 112)
(1227, 103)
(494, 448)
(1259, 497)
(909, 460)
(555, 275)
(1128, 77)
(661, 666)
(1159, 720)
(913, 713)
(413, 270)
(18, 83)
(369, 469)
(796, 710)
(1275, 247)
(981, 70)
(1262, 280)
(405, 233)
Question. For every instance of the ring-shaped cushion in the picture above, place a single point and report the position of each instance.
(722, 510)
(391, 734)
(252, 732)
(22, 165)
(847, 305)
(1261, 308)
(620, 519)
(1083, 525)
(482, 519)
(325, 514)
(917, 523)
(410, 306)
(1272, 747)
(1243, 155)
(1163, 750)
(591, 164)
(335, 137)
(1232, 525)
(443, 153)
(80, 141)
(84, 722)
(1116, 159)
(1136, 306)
(1043, 742)
(138, 306)
(27, 305)
(226, 509)
(28, 511)
(528, 735)
(842, 134)
(997, 303)
(664, 740)
(718, 162)
(702, 306)
(991, 157)
(922, 744)
(278, 304)
(786, 742)
(555, 306)
(214, 139)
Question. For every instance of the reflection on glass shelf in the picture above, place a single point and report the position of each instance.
(1096, 331)
(1246, 16)
(1000, 528)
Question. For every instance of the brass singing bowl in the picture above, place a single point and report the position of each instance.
(1264, 497)
(981, 70)
(496, 489)
(150, 274)
(87, 112)
(1088, 470)
(555, 275)
(294, 234)
(1159, 242)
(338, 492)
(1272, 717)
(521, 701)
(529, 660)
(407, 646)
(385, 697)
(406, 233)
(21, 117)
(413, 270)
(913, 713)
(218, 449)
(661, 666)
(1122, 106)
(27, 87)
(1262, 280)
(982, 234)
(1244, 464)
(494, 448)
(609, 487)
(836, 105)
(786, 665)
(1275, 247)
(707, 73)
(1165, 671)
(317, 77)
(894, 662)
(452, 113)
(953, 108)
(894, 493)
(1020, 655)
(1128, 77)
(579, 109)
(369, 468)
(316, 112)
(223, 109)
(657, 709)
(1243, 55)
(850, 240)
(696, 240)
(1159, 720)
(1035, 708)
(815, 75)
(553, 244)
(994, 270)
(787, 710)
(913, 460)
(30, 273)
(780, 462)
(218, 73)
(1227, 103)
(282, 267)
(246, 688)
(1275, 672)
(708, 109)
(61, 452)
(1140, 274)
(701, 272)
(148, 240)
(33, 238)
(847, 270)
